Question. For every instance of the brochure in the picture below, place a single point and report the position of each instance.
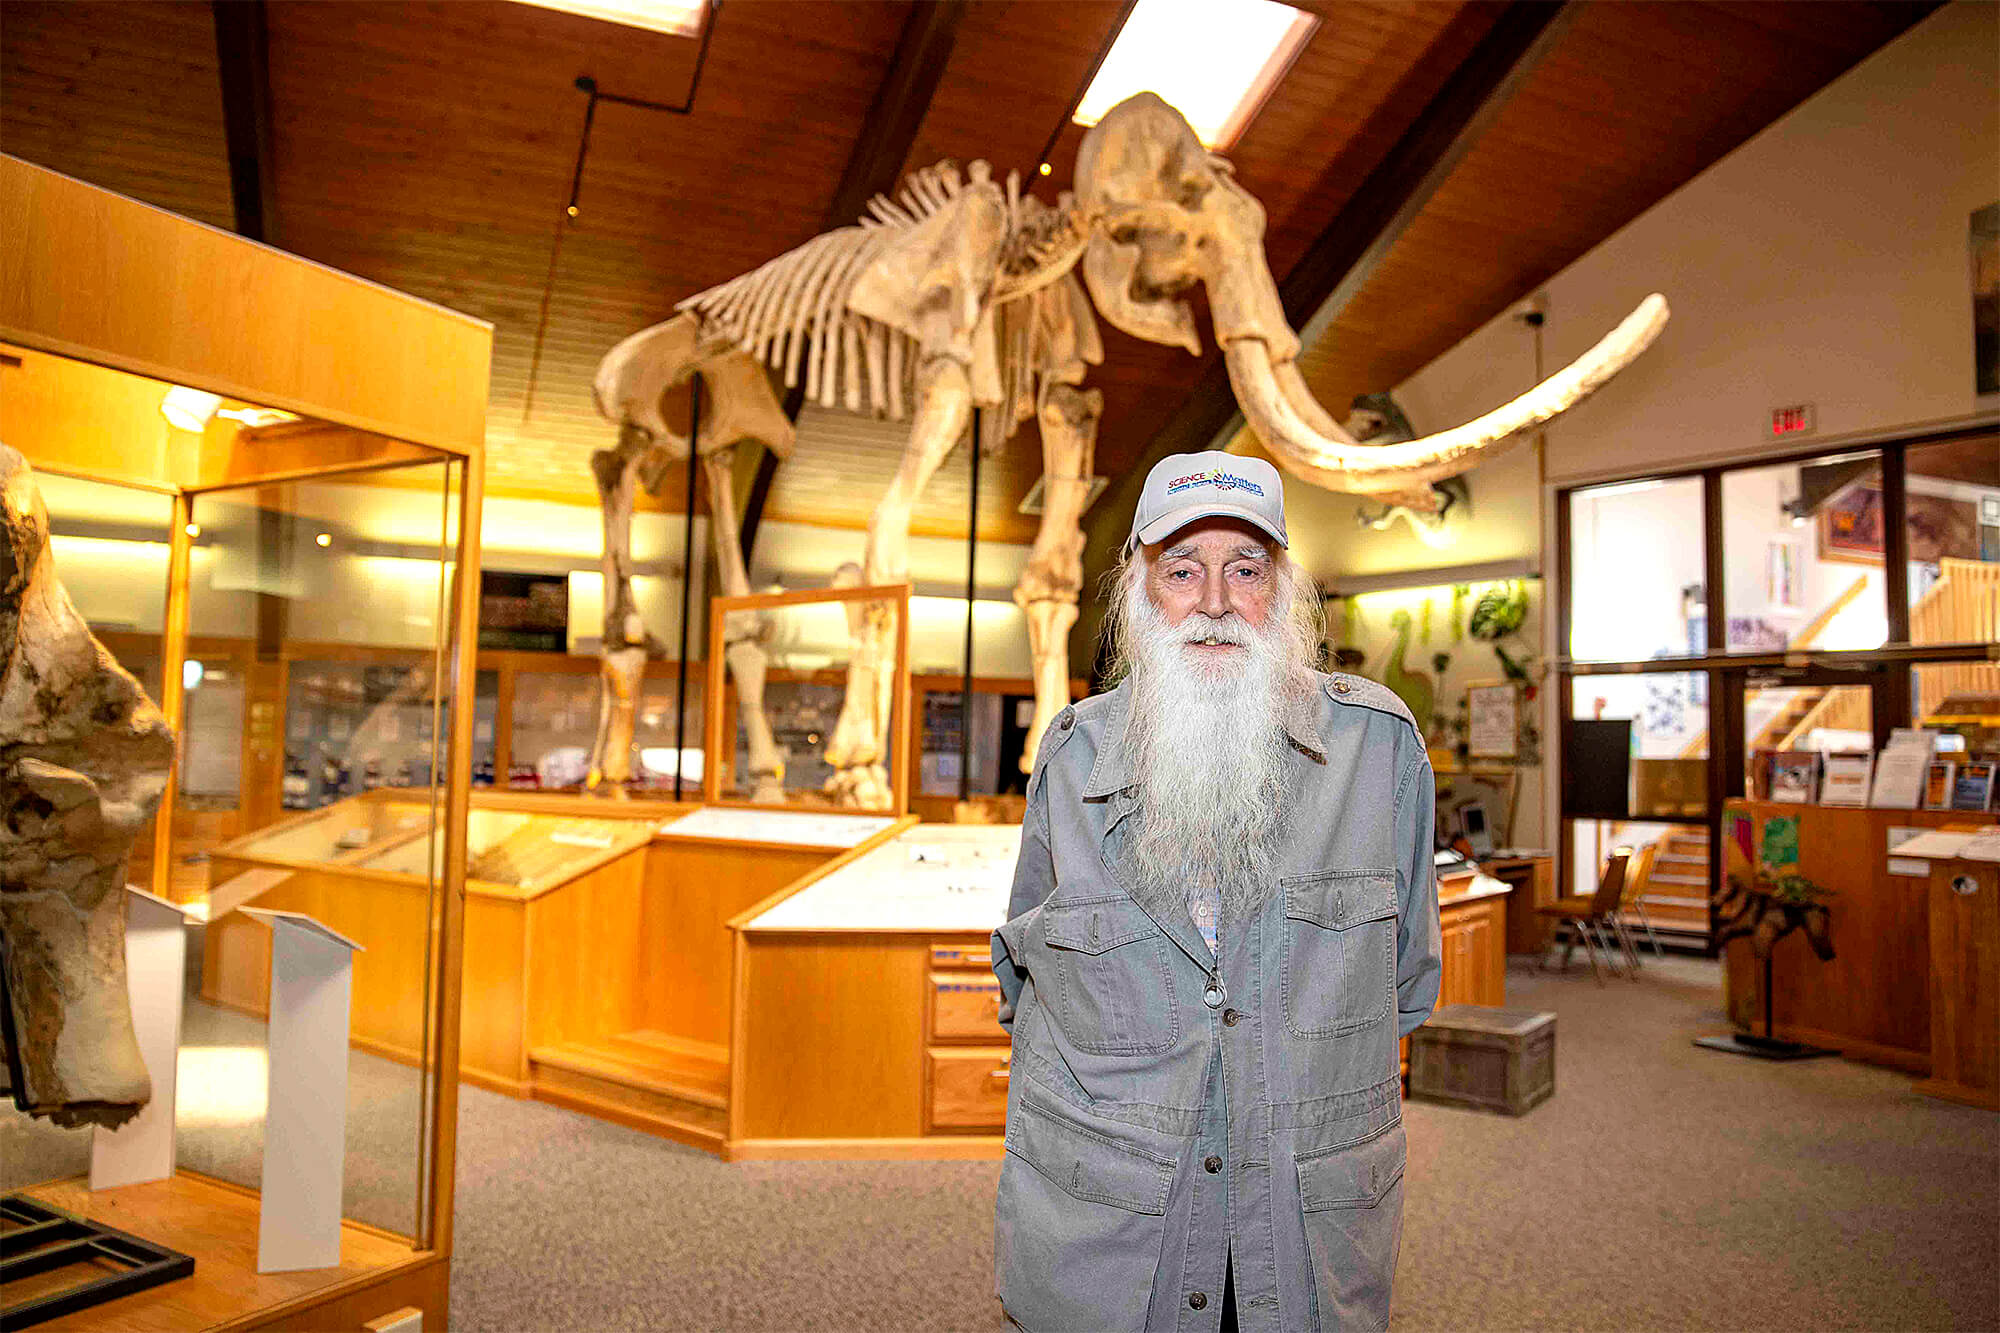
(1938, 780)
(1795, 776)
(1899, 776)
(1846, 778)
(1973, 788)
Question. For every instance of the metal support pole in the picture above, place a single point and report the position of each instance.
(687, 583)
(971, 570)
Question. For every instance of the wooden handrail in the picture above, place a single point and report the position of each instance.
(1807, 637)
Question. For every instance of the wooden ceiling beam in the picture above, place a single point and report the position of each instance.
(1354, 241)
(242, 53)
(901, 103)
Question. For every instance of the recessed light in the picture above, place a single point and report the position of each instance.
(324, 539)
(1214, 61)
(192, 529)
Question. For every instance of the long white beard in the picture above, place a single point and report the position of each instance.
(1209, 746)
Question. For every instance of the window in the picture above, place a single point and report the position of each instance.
(1636, 579)
(1214, 61)
(1802, 555)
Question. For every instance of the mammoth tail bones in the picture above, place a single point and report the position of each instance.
(962, 293)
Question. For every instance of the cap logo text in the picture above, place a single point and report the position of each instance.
(1216, 477)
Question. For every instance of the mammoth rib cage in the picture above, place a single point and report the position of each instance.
(791, 312)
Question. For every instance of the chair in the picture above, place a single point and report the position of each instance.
(1634, 902)
(1586, 916)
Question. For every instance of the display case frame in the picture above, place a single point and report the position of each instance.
(386, 380)
(718, 724)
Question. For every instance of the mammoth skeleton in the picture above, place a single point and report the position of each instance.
(83, 763)
(964, 294)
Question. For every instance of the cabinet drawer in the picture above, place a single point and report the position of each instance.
(969, 1088)
(968, 953)
(965, 1006)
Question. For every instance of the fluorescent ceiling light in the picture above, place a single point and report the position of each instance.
(680, 18)
(1213, 60)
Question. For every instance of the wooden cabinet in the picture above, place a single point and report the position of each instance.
(965, 1055)
(1475, 952)
(965, 1006)
(968, 1088)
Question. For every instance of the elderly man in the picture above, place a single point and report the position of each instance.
(1224, 916)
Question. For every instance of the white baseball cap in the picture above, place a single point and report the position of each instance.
(1184, 487)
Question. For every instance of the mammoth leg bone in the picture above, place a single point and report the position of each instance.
(84, 757)
(744, 632)
(626, 645)
(1047, 591)
(858, 747)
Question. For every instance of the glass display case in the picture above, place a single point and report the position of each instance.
(777, 741)
(258, 470)
(388, 833)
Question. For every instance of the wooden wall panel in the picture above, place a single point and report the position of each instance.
(584, 976)
(692, 890)
(860, 1073)
(493, 1026)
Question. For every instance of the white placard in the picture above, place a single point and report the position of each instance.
(1905, 865)
(1493, 723)
(305, 1125)
(142, 1148)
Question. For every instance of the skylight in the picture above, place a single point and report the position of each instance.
(1213, 60)
(678, 17)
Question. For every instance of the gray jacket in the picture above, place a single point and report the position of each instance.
(1168, 1109)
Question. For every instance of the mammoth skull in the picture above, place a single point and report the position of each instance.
(84, 756)
(1165, 214)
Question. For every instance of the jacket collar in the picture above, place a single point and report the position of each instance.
(1113, 770)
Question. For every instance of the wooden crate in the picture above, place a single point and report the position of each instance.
(1494, 1059)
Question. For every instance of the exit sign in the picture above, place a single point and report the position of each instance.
(1796, 419)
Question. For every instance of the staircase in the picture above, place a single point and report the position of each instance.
(1675, 893)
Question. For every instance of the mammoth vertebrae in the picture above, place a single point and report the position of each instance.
(963, 295)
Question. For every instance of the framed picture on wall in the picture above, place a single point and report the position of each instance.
(1940, 526)
(1493, 719)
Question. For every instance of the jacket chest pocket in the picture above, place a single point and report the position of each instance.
(1114, 991)
(1339, 963)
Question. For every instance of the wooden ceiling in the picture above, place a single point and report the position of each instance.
(430, 147)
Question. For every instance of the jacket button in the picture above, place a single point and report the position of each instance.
(1341, 687)
(1197, 1301)
(1211, 1164)
(1230, 1018)
(1068, 721)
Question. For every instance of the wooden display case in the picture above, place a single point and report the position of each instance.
(318, 380)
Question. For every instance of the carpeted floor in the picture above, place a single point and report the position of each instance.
(1663, 1187)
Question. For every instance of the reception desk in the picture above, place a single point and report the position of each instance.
(1872, 1000)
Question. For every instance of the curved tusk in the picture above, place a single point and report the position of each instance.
(1331, 460)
